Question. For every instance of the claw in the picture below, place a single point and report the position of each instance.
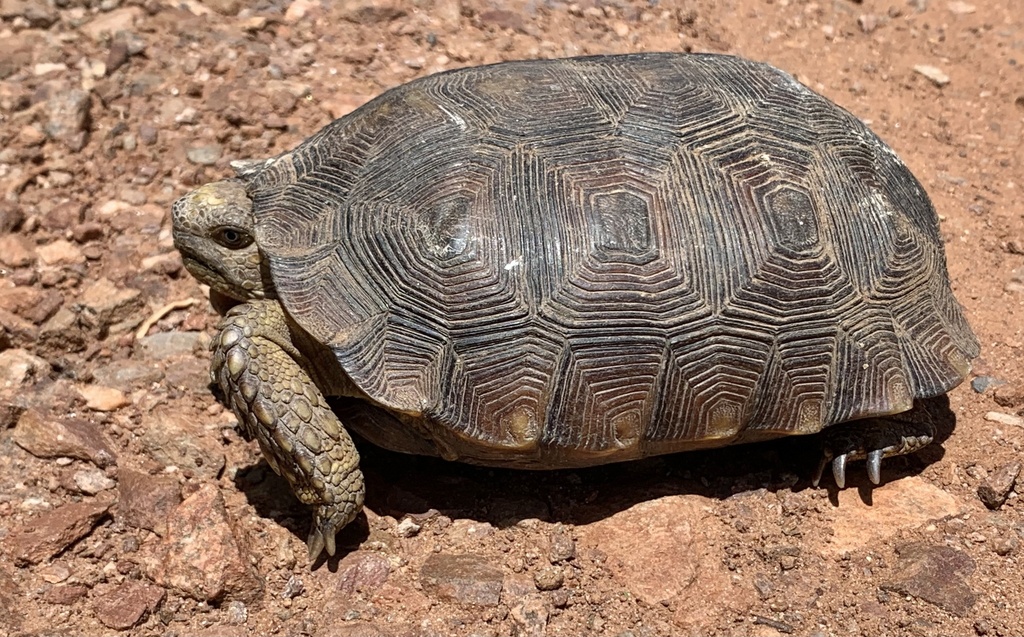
(875, 466)
(821, 469)
(321, 538)
(315, 544)
(839, 470)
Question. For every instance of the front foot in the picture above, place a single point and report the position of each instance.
(873, 439)
(277, 402)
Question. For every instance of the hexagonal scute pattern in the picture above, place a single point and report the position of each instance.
(570, 262)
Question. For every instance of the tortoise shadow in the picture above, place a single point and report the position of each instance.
(402, 485)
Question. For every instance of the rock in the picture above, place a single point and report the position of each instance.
(237, 612)
(981, 384)
(1016, 282)
(16, 330)
(906, 503)
(16, 251)
(652, 547)
(148, 134)
(293, 588)
(102, 398)
(62, 333)
(360, 572)
(31, 303)
(1009, 395)
(223, 7)
(936, 575)
(561, 546)
(65, 595)
(169, 263)
(163, 345)
(175, 440)
(961, 8)
(72, 438)
(189, 374)
(103, 304)
(299, 9)
(549, 578)
(18, 50)
(1004, 419)
(91, 481)
(203, 555)
(68, 118)
(1005, 545)
(407, 528)
(867, 22)
(937, 77)
(123, 606)
(145, 501)
(370, 11)
(55, 573)
(465, 578)
(206, 155)
(363, 629)
(106, 25)
(60, 252)
(998, 485)
(47, 68)
(504, 19)
(11, 216)
(88, 231)
(20, 368)
(11, 611)
(64, 215)
(117, 55)
(38, 14)
(127, 375)
(52, 532)
(530, 616)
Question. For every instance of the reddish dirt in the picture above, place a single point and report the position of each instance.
(110, 110)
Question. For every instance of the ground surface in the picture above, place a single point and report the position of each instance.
(129, 503)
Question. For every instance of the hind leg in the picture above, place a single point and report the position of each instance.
(873, 439)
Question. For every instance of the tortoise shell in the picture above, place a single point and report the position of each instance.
(569, 262)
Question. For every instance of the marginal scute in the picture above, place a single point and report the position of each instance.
(810, 417)
(521, 427)
(724, 419)
(562, 262)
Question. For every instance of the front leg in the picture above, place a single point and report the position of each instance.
(276, 401)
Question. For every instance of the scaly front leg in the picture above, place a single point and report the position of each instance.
(264, 377)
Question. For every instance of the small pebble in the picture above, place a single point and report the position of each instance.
(204, 155)
(237, 612)
(933, 73)
(1004, 546)
(92, 481)
(997, 487)
(407, 528)
(867, 22)
(102, 398)
(549, 578)
(982, 384)
(293, 588)
(1004, 419)
(961, 8)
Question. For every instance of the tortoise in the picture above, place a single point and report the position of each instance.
(564, 263)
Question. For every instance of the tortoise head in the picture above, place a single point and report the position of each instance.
(213, 228)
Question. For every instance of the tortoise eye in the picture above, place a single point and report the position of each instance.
(232, 238)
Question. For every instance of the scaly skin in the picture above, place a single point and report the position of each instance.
(873, 439)
(277, 403)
